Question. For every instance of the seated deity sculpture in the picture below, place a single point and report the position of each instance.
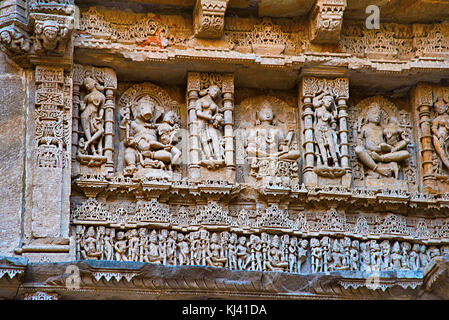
(150, 142)
(381, 148)
(276, 261)
(90, 246)
(267, 146)
(214, 258)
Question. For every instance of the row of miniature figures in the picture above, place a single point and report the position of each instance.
(262, 252)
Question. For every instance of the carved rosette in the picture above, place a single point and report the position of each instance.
(326, 21)
(325, 131)
(209, 18)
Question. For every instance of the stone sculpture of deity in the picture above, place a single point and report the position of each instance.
(210, 120)
(150, 137)
(92, 122)
(381, 148)
(267, 145)
(325, 130)
(440, 131)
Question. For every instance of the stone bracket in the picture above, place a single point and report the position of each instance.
(209, 18)
(326, 20)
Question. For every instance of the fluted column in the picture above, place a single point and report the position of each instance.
(193, 89)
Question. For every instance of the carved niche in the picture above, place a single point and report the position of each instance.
(382, 145)
(150, 132)
(325, 131)
(432, 105)
(267, 142)
(93, 125)
(211, 123)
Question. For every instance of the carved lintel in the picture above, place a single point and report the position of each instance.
(326, 21)
(61, 7)
(209, 18)
(39, 295)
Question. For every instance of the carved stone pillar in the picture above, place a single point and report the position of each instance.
(193, 89)
(325, 131)
(228, 109)
(110, 84)
(423, 102)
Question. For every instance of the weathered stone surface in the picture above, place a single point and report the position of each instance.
(12, 155)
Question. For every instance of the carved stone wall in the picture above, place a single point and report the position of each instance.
(211, 134)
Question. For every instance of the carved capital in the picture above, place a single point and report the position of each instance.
(326, 21)
(52, 33)
(209, 18)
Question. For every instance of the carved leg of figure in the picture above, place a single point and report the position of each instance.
(130, 160)
(367, 160)
(322, 148)
(438, 144)
(90, 141)
(332, 148)
(395, 156)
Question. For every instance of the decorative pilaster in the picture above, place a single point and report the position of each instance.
(193, 89)
(209, 18)
(110, 84)
(423, 102)
(326, 20)
(228, 109)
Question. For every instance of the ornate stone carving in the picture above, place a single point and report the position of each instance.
(209, 18)
(325, 131)
(383, 145)
(93, 125)
(210, 121)
(270, 144)
(150, 125)
(51, 33)
(326, 21)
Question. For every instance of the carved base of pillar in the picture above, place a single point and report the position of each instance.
(385, 183)
(342, 179)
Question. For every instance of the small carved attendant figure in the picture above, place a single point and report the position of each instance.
(414, 258)
(440, 130)
(163, 246)
(317, 255)
(405, 262)
(354, 256)
(365, 259)
(232, 252)
(257, 249)
(213, 257)
(337, 257)
(210, 119)
(171, 248)
(133, 245)
(276, 260)
(108, 245)
(326, 253)
(14, 41)
(302, 254)
(325, 130)
(386, 262)
(292, 256)
(346, 247)
(373, 149)
(167, 131)
(153, 253)
(242, 253)
(183, 250)
(92, 112)
(376, 255)
(121, 247)
(90, 250)
(423, 257)
(143, 243)
(396, 256)
(195, 249)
